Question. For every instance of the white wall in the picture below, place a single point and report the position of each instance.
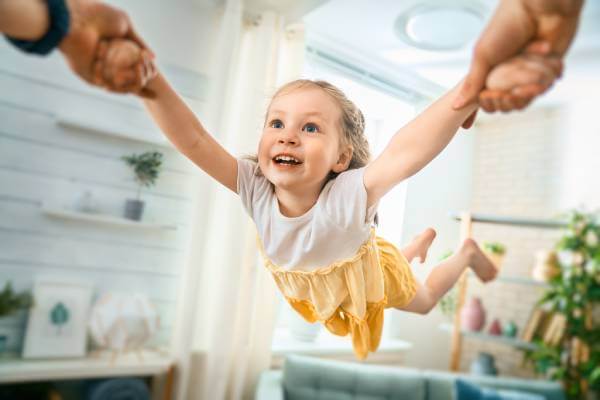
(42, 162)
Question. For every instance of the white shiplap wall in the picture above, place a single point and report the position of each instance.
(43, 162)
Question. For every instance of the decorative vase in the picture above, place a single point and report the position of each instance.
(302, 330)
(134, 209)
(473, 315)
(546, 266)
(484, 364)
(86, 203)
(495, 328)
(509, 329)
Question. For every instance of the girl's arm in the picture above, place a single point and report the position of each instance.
(415, 145)
(185, 131)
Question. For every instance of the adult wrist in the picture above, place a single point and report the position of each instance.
(59, 23)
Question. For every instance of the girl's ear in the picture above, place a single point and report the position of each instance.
(343, 161)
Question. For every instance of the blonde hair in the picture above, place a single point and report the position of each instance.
(352, 121)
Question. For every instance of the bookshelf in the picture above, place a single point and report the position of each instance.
(467, 220)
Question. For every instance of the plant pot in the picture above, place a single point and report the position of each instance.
(134, 209)
(472, 315)
(495, 258)
(12, 333)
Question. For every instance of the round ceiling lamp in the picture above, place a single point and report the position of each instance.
(439, 25)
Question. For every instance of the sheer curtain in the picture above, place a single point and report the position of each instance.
(236, 304)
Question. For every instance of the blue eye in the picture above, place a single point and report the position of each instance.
(277, 124)
(311, 128)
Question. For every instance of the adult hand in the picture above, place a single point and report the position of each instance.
(92, 21)
(538, 26)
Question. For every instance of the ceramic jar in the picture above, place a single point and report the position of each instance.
(546, 266)
(472, 315)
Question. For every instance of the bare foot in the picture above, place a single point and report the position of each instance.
(478, 261)
(422, 242)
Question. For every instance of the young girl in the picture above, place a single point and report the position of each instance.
(313, 194)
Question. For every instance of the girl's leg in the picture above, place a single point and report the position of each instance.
(446, 274)
(419, 245)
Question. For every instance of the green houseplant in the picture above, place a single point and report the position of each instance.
(146, 168)
(573, 357)
(10, 303)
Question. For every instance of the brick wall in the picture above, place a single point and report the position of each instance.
(516, 173)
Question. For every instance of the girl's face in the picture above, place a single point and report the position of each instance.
(300, 143)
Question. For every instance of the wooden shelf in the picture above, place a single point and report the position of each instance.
(103, 365)
(57, 212)
(522, 222)
(517, 280)
(514, 342)
(110, 130)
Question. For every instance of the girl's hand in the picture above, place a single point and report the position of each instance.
(513, 84)
(91, 22)
(122, 66)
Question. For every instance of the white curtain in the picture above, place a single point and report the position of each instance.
(236, 309)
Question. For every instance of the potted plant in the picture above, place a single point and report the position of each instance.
(146, 167)
(10, 303)
(572, 353)
(495, 251)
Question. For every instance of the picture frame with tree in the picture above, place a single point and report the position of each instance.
(57, 323)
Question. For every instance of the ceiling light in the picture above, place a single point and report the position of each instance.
(435, 26)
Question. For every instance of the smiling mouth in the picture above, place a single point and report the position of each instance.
(286, 160)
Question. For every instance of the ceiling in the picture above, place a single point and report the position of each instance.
(366, 28)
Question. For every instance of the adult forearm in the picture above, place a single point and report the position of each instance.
(24, 19)
(557, 21)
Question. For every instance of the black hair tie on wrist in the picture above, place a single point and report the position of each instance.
(58, 14)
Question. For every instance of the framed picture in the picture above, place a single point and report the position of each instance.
(57, 324)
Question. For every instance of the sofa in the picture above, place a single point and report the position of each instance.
(304, 378)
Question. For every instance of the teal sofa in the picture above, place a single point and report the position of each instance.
(307, 378)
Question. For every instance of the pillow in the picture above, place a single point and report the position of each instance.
(464, 390)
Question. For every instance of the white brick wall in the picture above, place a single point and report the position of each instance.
(515, 174)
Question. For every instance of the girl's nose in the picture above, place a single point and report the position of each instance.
(287, 137)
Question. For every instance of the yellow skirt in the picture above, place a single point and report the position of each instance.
(349, 296)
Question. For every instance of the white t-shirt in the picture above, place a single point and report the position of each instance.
(332, 230)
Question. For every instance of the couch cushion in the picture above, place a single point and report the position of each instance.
(440, 385)
(469, 391)
(308, 378)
